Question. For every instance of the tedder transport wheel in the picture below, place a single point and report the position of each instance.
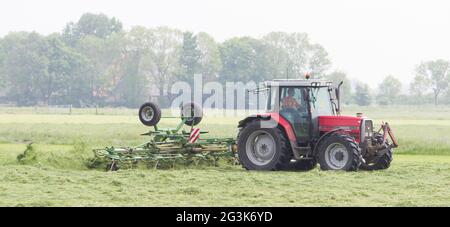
(150, 114)
(193, 113)
(263, 148)
(339, 152)
(379, 162)
(305, 164)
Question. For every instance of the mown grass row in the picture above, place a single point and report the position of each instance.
(411, 181)
(55, 172)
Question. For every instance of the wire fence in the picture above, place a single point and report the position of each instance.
(66, 110)
(70, 110)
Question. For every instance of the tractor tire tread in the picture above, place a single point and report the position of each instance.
(156, 111)
(284, 157)
(354, 149)
(383, 162)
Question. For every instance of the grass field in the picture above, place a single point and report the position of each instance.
(419, 176)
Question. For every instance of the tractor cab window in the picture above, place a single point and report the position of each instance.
(294, 108)
(321, 102)
(271, 100)
(293, 98)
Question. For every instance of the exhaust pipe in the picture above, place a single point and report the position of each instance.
(338, 96)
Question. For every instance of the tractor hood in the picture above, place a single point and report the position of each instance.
(347, 123)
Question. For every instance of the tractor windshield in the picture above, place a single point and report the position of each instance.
(321, 101)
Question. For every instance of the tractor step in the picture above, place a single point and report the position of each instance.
(302, 151)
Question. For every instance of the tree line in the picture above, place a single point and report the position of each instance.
(95, 61)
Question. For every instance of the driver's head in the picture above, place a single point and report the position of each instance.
(291, 92)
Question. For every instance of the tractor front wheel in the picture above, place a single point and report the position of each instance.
(378, 163)
(339, 152)
(263, 148)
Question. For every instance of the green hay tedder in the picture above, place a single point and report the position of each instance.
(172, 144)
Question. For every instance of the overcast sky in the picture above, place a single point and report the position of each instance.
(366, 39)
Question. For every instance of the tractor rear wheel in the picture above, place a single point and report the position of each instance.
(263, 148)
(339, 152)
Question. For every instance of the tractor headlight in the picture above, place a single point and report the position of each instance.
(366, 129)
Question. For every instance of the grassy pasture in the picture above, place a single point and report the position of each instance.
(419, 176)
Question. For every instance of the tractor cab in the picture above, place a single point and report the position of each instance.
(301, 102)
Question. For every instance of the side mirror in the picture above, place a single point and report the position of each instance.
(337, 93)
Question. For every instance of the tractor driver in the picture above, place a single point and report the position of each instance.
(289, 101)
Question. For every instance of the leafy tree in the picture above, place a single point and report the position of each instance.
(130, 82)
(210, 62)
(165, 54)
(389, 90)
(2, 67)
(160, 48)
(103, 57)
(40, 68)
(97, 38)
(418, 88)
(94, 61)
(338, 77)
(244, 59)
(237, 58)
(318, 60)
(447, 96)
(66, 71)
(131, 85)
(296, 55)
(98, 25)
(437, 73)
(189, 57)
(290, 54)
(362, 95)
(25, 66)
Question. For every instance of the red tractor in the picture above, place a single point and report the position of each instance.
(303, 126)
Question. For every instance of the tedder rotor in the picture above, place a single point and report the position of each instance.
(170, 144)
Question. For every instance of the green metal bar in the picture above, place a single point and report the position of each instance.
(172, 130)
(166, 144)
